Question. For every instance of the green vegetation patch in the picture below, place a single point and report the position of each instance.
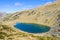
(2, 35)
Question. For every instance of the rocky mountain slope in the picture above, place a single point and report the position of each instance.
(2, 15)
(47, 15)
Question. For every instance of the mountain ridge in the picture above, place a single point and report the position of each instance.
(39, 15)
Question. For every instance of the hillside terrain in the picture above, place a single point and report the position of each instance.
(48, 15)
(2, 15)
(10, 33)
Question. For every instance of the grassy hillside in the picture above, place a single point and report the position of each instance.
(48, 15)
(9, 33)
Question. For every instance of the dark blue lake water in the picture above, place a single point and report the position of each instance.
(32, 28)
